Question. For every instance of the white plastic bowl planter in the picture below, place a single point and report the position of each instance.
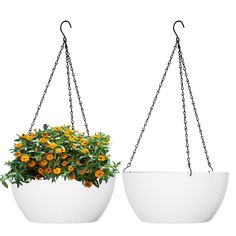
(175, 197)
(62, 201)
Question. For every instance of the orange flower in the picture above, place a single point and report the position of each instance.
(23, 135)
(71, 176)
(63, 156)
(101, 158)
(81, 172)
(29, 137)
(25, 158)
(71, 168)
(87, 171)
(43, 163)
(38, 177)
(18, 145)
(87, 184)
(64, 163)
(18, 154)
(43, 140)
(31, 164)
(58, 150)
(78, 163)
(57, 171)
(48, 170)
(49, 156)
(40, 171)
(99, 173)
(84, 151)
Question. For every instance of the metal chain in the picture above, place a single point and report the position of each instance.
(195, 110)
(151, 108)
(184, 110)
(69, 86)
(45, 91)
(77, 92)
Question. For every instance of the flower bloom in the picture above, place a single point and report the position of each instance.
(83, 142)
(31, 164)
(70, 168)
(63, 156)
(48, 170)
(71, 176)
(87, 184)
(57, 128)
(57, 171)
(18, 154)
(43, 163)
(49, 156)
(87, 171)
(25, 158)
(84, 151)
(101, 158)
(81, 172)
(52, 145)
(29, 137)
(18, 145)
(58, 150)
(71, 138)
(64, 163)
(99, 173)
(43, 140)
(97, 136)
(40, 171)
(78, 163)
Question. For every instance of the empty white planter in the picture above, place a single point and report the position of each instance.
(62, 201)
(175, 197)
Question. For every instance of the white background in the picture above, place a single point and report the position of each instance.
(119, 50)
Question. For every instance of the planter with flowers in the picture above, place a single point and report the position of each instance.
(59, 174)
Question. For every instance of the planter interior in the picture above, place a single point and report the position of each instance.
(62, 201)
(175, 197)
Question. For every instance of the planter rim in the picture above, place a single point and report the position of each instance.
(176, 172)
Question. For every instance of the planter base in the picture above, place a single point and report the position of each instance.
(62, 201)
(175, 197)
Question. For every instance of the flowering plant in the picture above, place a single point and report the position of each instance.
(60, 151)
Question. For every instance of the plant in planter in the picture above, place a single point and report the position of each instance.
(59, 151)
(68, 174)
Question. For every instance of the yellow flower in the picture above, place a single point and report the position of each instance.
(71, 138)
(18, 145)
(64, 156)
(43, 163)
(52, 145)
(58, 150)
(18, 154)
(84, 151)
(25, 158)
(64, 163)
(48, 170)
(56, 128)
(63, 149)
(105, 142)
(83, 142)
(67, 132)
(43, 140)
(23, 135)
(97, 136)
(99, 173)
(101, 158)
(49, 156)
(40, 171)
(57, 171)
(29, 137)
(31, 164)
(87, 184)
(70, 168)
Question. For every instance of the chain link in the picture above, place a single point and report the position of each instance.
(184, 110)
(195, 110)
(78, 94)
(69, 86)
(45, 91)
(151, 108)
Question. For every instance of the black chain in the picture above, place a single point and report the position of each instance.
(78, 94)
(151, 108)
(184, 109)
(45, 91)
(69, 86)
(195, 110)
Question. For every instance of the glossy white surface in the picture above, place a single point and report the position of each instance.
(175, 197)
(62, 201)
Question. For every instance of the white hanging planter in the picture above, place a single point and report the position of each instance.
(175, 197)
(62, 201)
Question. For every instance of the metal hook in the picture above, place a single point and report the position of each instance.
(177, 37)
(65, 21)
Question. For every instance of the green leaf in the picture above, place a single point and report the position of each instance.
(4, 184)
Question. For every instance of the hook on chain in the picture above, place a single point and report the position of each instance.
(65, 21)
(178, 21)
